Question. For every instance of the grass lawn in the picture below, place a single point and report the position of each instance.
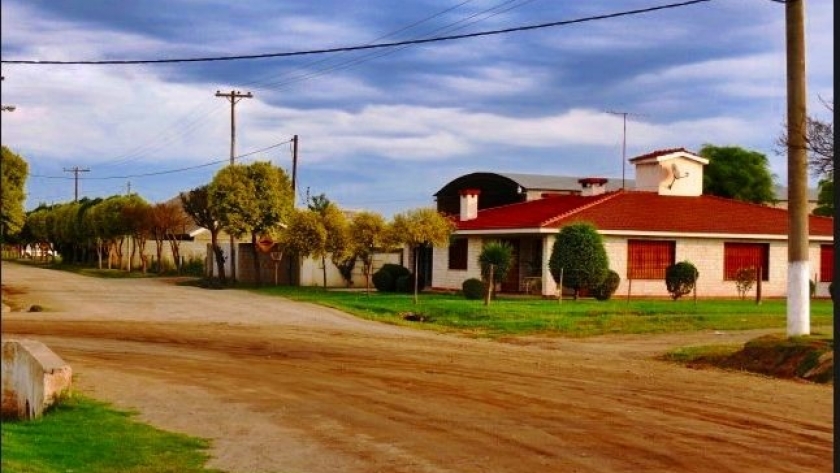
(584, 317)
(82, 435)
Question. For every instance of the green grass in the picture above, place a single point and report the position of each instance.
(585, 317)
(81, 435)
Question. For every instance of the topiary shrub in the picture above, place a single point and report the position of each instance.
(404, 283)
(680, 279)
(383, 281)
(473, 288)
(812, 288)
(606, 289)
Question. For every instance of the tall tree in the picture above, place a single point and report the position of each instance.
(196, 204)
(305, 234)
(825, 198)
(737, 173)
(368, 233)
(418, 228)
(337, 243)
(578, 259)
(253, 199)
(13, 173)
(819, 139)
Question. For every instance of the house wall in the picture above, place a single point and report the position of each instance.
(445, 278)
(706, 254)
(311, 271)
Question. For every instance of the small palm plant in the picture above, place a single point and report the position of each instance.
(495, 260)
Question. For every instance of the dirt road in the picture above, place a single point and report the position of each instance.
(280, 386)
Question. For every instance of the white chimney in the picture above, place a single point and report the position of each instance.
(469, 204)
(592, 186)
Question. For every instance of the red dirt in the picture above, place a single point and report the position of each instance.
(280, 386)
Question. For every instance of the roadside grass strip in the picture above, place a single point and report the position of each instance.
(82, 435)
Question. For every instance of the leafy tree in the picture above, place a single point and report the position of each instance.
(368, 232)
(13, 173)
(495, 261)
(825, 199)
(137, 214)
(745, 279)
(737, 173)
(337, 244)
(305, 234)
(680, 279)
(578, 259)
(421, 227)
(196, 204)
(253, 199)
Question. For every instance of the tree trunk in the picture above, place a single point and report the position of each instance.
(324, 269)
(257, 275)
(415, 275)
(218, 254)
(490, 288)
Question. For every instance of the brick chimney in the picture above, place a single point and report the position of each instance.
(469, 203)
(592, 186)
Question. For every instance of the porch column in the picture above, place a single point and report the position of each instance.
(549, 287)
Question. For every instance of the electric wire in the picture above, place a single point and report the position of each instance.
(361, 47)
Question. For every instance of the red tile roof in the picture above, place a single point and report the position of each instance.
(660, 152)
(645, 212)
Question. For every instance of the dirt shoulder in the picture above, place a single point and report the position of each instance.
(280, 386)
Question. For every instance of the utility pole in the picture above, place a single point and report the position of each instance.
(294, 168)
(76, 170)
(623, 142)
(798, 300)
(128, 188)
(233, 97)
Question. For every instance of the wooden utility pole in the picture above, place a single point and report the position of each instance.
(799, 272)
(233, 97)
(76, 170)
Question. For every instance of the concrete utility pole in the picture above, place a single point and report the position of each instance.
(76, 170)
(799, 271)
(234, 97)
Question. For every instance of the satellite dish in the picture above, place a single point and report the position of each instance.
(675, 171)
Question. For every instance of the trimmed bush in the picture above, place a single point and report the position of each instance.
(680, 279)
(388, 275)
(473, 288)
(383, 281)
(606, 289)
(404, 283)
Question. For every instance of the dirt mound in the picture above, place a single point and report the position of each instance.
(806, 358)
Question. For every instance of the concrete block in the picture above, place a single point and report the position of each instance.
(34, 377)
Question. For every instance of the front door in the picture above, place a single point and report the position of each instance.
(511, 282)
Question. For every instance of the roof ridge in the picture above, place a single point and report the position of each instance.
(604, 198)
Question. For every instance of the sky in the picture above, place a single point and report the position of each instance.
(385, 129)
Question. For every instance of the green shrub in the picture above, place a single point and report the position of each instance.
(193, 267)
(606, 289)
(680, 279)
(579, 257)
(383, 281)
(473, 288)
(812, 287)
(744, 280)
(404, 283)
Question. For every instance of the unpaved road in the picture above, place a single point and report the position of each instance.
(280, 386)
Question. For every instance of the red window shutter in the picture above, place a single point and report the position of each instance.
(826, 263)
(648, 259)
(745, 255)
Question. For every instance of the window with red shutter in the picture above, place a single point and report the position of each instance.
(826, 263)
(745, 255)
(648, 259)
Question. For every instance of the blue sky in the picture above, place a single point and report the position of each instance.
(385, 129)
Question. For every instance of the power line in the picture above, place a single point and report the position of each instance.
(158, 173)
(76, 170)
(360, 47)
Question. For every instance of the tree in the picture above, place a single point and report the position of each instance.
(253, 199)
(196, 204)
(736, 173)
(337, 243)
(681, 279)
(421, 227)
(167, 220)
(819, 140)
(578, 259)
(13, 173)
(305, 235)
(367, 234)
(495, 260)
(825, 198)
(137, 215)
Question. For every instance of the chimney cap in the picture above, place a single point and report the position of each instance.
(588, 181)
(469, 191)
